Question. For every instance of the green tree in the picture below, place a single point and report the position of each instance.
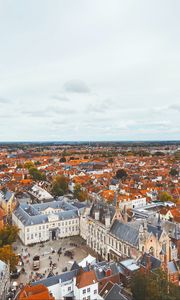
(59, 185)
(62, 159)
(36, 174)
(3, 166)
(158, 153)
(165, 197)
(153, 286)
(173, 172)
(121, 174)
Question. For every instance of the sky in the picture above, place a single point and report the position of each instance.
(89, 70)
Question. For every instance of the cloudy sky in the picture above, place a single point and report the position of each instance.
(89, 70)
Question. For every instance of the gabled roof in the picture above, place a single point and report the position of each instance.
(115, 293)
(125, 232)
(155, 262)
(84, 279)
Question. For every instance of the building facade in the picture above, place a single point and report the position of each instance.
(5, 280)
(50, 220)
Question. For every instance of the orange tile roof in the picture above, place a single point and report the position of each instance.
(38, 292)
(84, 279)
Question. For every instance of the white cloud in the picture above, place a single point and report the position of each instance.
(89, 69)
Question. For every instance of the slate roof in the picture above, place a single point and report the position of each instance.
(62, 278)
(103, 209)
(172, 267)
(157, 231)
(115, 293)
(155, 262)
(32, 214)
(125, 232)
(171, 228)
(6, 195)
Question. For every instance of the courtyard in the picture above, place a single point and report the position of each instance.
(51, 262)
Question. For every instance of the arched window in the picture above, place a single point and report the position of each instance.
(151, 251)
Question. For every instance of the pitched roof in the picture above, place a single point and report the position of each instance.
(38, 292)
(125, 232)
(84, 279)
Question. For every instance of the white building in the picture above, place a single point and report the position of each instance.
(39, 193)
(4, 279)
(50, 220)
(137, 202)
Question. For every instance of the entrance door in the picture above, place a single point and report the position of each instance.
(54, 234)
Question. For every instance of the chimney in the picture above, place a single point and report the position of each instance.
(148, 263)
(108, 272)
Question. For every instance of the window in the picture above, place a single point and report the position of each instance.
(88, 290)
(95, 291)
(69, 288)
(88, 298)
(84, 291)
(27, 229)
(39, 227)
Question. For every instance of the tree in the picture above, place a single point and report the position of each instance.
(121, 174)
(165, 197)
(153, 285)
(29, 164)
(8, 234)
(3, 166)
(173, 172)
(139, 286)
(62, 159)
(9, 257)
(59, 185)
(79, 193)
(158, 153)
(36, 174)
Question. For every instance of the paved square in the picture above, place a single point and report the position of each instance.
(79, 253)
